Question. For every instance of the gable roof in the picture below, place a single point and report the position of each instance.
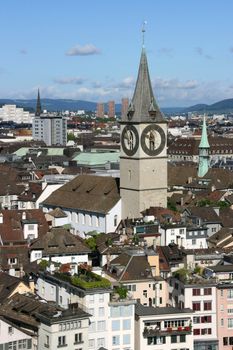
(60, 241)
(207, 214)
(8, 284)
(11, 230)
(87, 192)
(131, 267)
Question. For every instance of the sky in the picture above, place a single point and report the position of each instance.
(90, 50)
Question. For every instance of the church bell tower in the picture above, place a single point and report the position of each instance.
(143, 159)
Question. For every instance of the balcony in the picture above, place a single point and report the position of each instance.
(156, 331)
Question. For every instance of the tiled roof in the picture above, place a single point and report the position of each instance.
(87, 192)
(60, 241)
(11, 230)
(7, 285)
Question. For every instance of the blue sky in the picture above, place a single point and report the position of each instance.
(91, 49)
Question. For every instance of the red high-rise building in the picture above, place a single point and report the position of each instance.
(100, 110)
(124, 106)
(111, 109)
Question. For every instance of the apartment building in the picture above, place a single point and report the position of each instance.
(163, 328)
(50, 129)
(198, 294)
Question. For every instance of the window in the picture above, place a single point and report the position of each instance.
(145, 293)
(100, 342)
(196, 291)
(230, 311)
(97, 221)
(207, 305)
(230, 293)
(46, 342)
(101, 326)
(173, 338)
(221, 307)
(221, 292)
(10, 330)
(115, 325)
(206, 319)
(101, 298)
(222, 322)
(230, 340)
(196, 306)
(182, 338)
(127, 324)
(116, 340)
(78, 338)
(91, 343)
(196, 331)
(160, 300)
(172, 232)
(61, 340)
(12, 261)
(30, 227)
(207, 291)
(225, 341)
(115, 220)
(206, 331)
(196, 319)
(92, 327)
(101, 311)
(126, 339)
(194, 241)
(230, 323)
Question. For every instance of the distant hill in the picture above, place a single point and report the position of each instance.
(53, 105)
(224, 106)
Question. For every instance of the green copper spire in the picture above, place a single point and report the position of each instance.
(204, 146)
(204, 138)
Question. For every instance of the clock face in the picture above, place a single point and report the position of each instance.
(129, 140)
(153, 140)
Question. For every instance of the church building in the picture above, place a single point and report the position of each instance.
(143, 159)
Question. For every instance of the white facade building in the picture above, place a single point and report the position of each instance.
(173, 234)
(12, 113)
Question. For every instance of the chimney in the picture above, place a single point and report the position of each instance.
(1, 218)
(23, 215)
(32, 284)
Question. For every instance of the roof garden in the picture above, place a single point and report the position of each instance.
(84, 279)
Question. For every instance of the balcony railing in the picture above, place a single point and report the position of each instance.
(156, 331)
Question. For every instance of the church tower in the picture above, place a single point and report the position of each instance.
(38, 105)
(143, 160)
(204, 146)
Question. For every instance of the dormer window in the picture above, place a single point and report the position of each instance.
(131, 111)
(12, 261)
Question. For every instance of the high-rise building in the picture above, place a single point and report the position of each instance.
(50, 129)
(12, 113)
(143, 160)
(111, 109)
(124, 106)
(100, 110)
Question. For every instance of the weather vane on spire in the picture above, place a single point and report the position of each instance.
(143, 32)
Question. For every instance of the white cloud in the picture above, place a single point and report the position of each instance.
(69, 80)
(85, 50)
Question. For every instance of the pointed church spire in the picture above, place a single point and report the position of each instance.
(204, 138)
(143, 107)
(38, 105)
(204, 146)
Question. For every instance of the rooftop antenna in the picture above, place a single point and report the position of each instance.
(143, 33)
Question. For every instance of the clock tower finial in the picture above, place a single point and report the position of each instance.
(143, 33)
